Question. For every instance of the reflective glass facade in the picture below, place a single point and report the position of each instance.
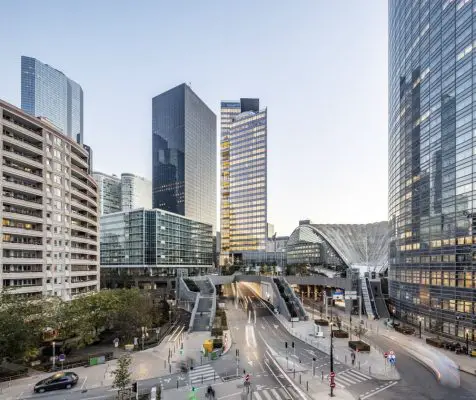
(243, 177)
(431, 156)
(154, 239)
(184, 155)
(47, 92)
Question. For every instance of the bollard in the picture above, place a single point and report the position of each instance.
(369, 369)
(346, 358)
(294, 373)
(307, 386)
(165, 364)
(322, 375)
(359, 365)
(300, 378)
(170, 369)
(177, 383)
(213, 376)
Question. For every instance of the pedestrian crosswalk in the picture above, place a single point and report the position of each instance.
(350, 377)
(277, 393)
(202, 373)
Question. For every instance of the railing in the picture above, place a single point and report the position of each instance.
(296, 301)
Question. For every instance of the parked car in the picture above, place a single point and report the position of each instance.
(61, 380)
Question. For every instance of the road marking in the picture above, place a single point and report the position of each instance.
(85, 379)
(378, 391)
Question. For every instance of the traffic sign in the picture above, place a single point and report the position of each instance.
(385, 354)
(392, 352)
(61, 357)
(332, 374)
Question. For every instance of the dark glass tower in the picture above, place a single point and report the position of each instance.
(184, 155)
(47, 92)
(431, 156)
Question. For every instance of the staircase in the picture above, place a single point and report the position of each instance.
(366, 297)
(293, 305)
(205, 312)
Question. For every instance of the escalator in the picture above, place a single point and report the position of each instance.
(380, 305)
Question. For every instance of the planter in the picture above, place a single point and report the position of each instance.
(405, 330)
(434, 342)
(321, 322)
(340, 334)
(358, 345)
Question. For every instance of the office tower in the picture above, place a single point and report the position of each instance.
(155, 242)
(47, 92)
(431, 182)
(50, 238)
(109, 191)
(243, 179)
(136, 192)
(184, 155)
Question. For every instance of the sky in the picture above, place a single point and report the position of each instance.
(319, 66)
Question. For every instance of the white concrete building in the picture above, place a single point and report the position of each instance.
(109, 191)
(50, 240)
(136, 192)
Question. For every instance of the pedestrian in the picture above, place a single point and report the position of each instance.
(352, 356)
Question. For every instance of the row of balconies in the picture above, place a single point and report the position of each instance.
(23, 127)
(23, 157)
(22, 141)
(18, 169)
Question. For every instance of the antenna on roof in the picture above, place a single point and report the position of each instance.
(190, 84)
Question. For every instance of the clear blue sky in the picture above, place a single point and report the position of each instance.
(319, 66)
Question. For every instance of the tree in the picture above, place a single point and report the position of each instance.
(122, 374)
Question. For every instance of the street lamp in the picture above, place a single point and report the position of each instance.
(54, 355)
(331, 365)
(170, 316)
(467, 341)
(419, 325)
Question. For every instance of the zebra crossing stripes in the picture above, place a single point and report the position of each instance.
(203, 373)
(350, 377)
(277, 393)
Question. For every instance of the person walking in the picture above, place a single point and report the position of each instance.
(352, 356)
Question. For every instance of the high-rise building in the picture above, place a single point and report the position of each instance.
(184, 155)
(50, 238)
(123, 194)
(243, 178)
(47, 92)
(136, 192)
(109, 190)
(431, 155)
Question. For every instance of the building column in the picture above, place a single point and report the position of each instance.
(308, 291)
(315, 293)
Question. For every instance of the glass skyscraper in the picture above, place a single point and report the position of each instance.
(184, 155)
(47, 92)
(243, 179)
(432, 50)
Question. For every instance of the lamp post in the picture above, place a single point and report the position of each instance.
(467, 341)
(331, 354)
(419, 326)
(54, 355)
(170, 316)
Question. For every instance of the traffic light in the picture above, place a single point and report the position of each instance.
(134, 387)
(292, 345)
(181, 349)
(286, 344)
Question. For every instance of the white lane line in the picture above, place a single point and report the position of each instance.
(378, 391)
(353, 371)
(257, 396)
(267, 395)
(85, 379)
(346, 379)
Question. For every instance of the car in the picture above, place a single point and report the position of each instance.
(60, 380)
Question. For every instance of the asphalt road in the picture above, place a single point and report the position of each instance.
(417, 383)
(268, 329)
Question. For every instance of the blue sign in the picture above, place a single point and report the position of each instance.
(338, 294)
(61, 357)
(392, 359)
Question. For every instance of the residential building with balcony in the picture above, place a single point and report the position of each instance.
(50, 242)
